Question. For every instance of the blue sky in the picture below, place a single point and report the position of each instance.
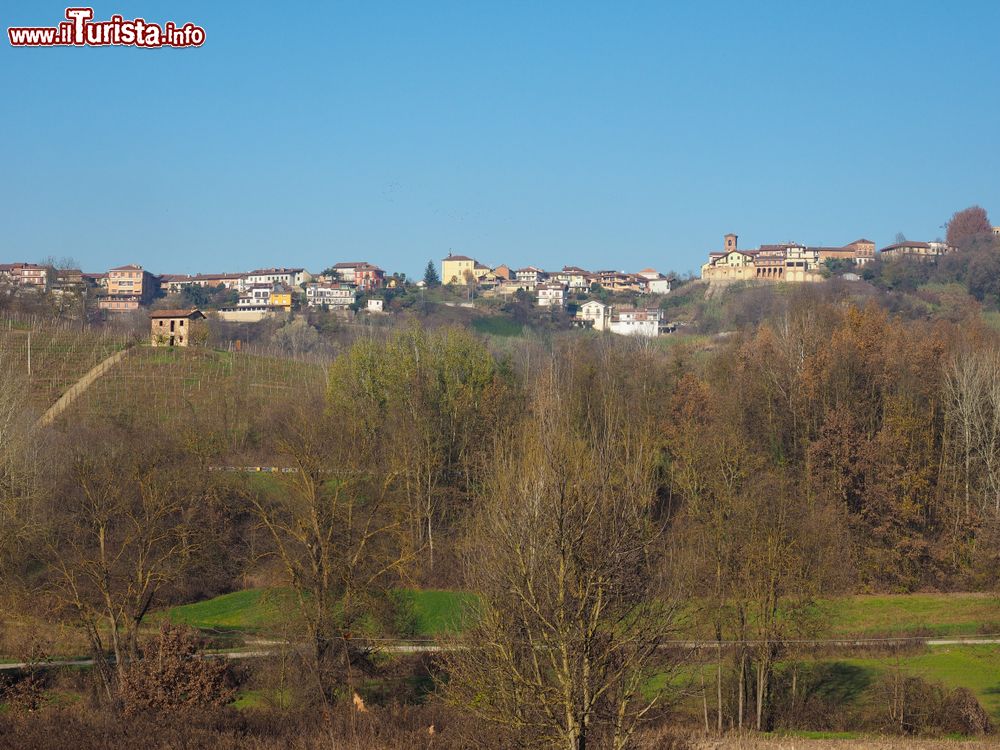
(606, 135)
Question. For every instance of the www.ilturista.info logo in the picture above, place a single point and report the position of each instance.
(80, 30)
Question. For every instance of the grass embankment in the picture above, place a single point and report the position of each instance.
(914, 614)
(974, 667)
(977, 667)
(436, 611)
(250, 611)
(256, 611)
(893, 616)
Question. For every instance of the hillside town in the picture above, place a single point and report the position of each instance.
(614, 301)
(349, 287)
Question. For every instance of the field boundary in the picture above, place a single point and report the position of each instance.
(80, 386)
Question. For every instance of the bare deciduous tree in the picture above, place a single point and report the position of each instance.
(124, 527)
(334, 528)
(570, 621)
(972, 397)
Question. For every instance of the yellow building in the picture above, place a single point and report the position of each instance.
(457, 269)
(280, 297)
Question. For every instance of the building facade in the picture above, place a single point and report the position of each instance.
(280, 298)
(922, 251)
(333, 296)
(457, 269)
(287, 276)
(594, 314)
(128, 288)
(175, 283)
(175, 327)
(632, 321)
(551, 294)
(575, 279)
(787, 262)
(365, 276)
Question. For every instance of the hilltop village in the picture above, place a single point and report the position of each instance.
(619, 302)
(348, 288)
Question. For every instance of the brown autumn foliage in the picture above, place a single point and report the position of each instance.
(391, 727)
(174, 674)
(966, 224)
(824, 448)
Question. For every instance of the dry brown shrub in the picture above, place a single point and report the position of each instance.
(175, 674)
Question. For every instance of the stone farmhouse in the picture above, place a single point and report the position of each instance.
(174, 327)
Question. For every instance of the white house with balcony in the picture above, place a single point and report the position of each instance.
(334, 296)
(551, 294)
(594, 314)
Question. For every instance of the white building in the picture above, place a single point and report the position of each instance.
(551, 294)
(329, 295)
(375, 305)
(288, 276)
(530, 275)
(175, 283)
(594, 314)
(631, 321)
(256, 296)
(573, 277)
(654, 282)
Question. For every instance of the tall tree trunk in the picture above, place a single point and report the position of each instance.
(742, 681)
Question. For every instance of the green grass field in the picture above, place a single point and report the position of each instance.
(259, 610)
(974, 667)
(917, 614)
(497, 326)
(244, 611)
(438, 611)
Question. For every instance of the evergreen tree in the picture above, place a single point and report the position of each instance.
(430, 275)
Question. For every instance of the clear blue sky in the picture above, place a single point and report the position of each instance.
(606, 135)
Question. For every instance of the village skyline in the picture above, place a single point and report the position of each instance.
(531, 135)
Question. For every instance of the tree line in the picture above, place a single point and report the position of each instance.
(603, 498)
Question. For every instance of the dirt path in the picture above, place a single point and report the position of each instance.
(77, 389)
